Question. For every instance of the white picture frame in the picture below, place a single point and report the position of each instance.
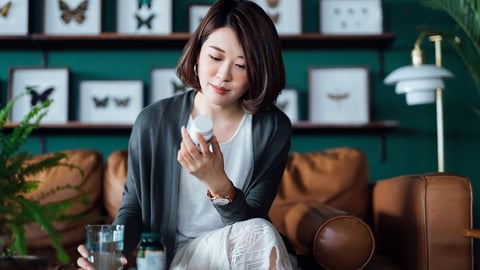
(288, 102)
(72, 17)
(196, 12)
(136, 18)
(110, 101)
(164, 83)
(351, 17)
(14, 17)
(44, 83)
(339, 95)
(286, 15)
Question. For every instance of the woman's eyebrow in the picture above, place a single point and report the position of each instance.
(223, 51)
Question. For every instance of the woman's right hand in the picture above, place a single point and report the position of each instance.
(82, 261)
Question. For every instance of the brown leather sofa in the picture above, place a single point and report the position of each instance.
(327, 207)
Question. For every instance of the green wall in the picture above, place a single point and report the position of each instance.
(410, 149)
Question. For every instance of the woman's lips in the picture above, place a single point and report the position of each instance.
(219, 90)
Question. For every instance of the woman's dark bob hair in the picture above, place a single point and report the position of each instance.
(261, 46)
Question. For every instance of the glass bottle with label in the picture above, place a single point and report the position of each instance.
(151, 253)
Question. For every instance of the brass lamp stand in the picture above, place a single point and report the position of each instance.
(423, 84)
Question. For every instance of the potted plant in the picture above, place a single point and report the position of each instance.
(16, 165)
(465, 40)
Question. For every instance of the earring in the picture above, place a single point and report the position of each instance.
(195, 70)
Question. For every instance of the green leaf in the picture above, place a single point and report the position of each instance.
(466, 15)
(15, 166)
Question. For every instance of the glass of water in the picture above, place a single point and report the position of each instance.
(105, 245)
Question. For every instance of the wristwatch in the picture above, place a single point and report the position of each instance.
(222, 200)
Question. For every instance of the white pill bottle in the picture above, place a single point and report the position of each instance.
(203, 125)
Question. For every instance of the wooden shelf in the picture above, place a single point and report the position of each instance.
(322, 41)
(379, 128)
(80, 128)
(112, 41)
(309, 128)
(304, 127)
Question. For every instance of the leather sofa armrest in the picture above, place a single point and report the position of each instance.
(329, 234)
(417, 220)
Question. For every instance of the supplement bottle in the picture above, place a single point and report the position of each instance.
(151, 253)
(202, 125)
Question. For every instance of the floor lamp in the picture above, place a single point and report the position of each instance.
(423, 84)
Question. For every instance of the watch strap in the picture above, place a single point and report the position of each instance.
(229, 196)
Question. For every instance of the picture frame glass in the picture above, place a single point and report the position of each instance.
(144, 17)
(44, 83)
(14, 17)
(164, 83)
(339, 95)
(285, 14)
(196, 12)
(110, 102)
(351, 17)
(72, 17)
(288, 102)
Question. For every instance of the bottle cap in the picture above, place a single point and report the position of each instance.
(202, 125)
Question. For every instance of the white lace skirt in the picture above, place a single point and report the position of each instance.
(243, 245)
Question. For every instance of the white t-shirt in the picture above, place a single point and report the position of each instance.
(196, 213)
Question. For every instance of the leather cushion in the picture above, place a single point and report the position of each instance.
(91, 163)
(338, 239)
(114, 182)
(337, 177)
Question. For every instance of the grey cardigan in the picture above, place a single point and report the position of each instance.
(150, 196)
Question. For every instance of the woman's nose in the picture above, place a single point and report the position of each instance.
(224, 72)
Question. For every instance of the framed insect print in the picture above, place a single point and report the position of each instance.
(14, 17)
(351, 17)
(164, 83)
(112, 102)
(144, 16)
(72, 17)
(339, 95)
(286, 14)
(287, 101)
(196, 12)
(40, 84)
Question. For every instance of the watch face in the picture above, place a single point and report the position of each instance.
(221, 201)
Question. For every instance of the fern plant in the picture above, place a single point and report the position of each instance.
(16, 165)
(466, 38)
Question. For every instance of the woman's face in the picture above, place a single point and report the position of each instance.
(221, 68)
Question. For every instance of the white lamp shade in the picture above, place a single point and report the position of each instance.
(417, 98)
(419, 91)
(407, 86)
(412, 72)
(418, 83)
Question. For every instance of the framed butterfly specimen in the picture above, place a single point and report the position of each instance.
(144, 16)
(145, 22)
(287, 15)
(196, 12)
(287, 101)
(164, 83)
(110, 101)
(351, 17)
(40, 84)
(72, 17)
(14, 17)
(339, 95)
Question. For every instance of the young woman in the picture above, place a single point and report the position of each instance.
(211, 204)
